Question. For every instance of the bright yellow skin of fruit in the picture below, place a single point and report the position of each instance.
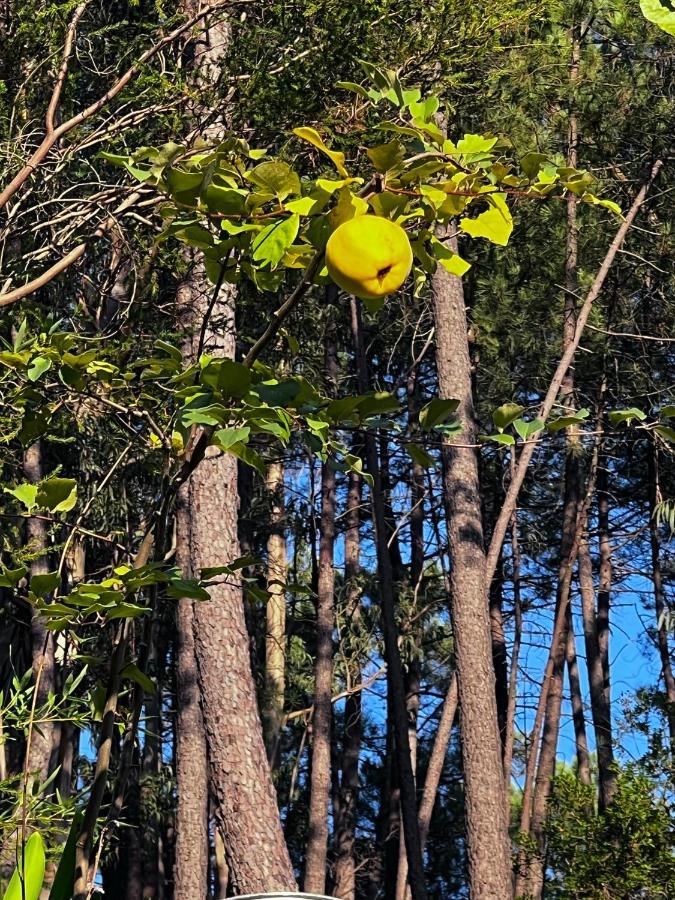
(369, 256)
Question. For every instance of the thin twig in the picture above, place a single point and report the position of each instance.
(511, 498)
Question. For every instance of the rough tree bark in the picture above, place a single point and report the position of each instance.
(486, 816)
(245, 805)
(515, 651)
(41, 752)
(320, 776)
(275, 635)
(192, 843)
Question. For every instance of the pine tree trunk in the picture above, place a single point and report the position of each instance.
(395, 680)
(599, 687)
(192, 839)
(275, 636)
(486, 815)
(245, 805)
(659, 593)
(414, 672)
(515, 651)
(581, 741)
(42, 751)
(499, 653)
(571, 498)
(345, 823)
(320, 780)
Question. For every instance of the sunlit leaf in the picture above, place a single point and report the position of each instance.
(314, 138)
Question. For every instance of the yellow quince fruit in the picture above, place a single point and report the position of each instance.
(369, 256)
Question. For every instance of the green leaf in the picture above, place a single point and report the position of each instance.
(661, 13)
(57, 494)
(598, 201)
(386, 157)
(133, 673)
(227, 437)
(668, 412)
(184, 186)
(436, 412)
(378, 404)
(619, 416)
(495, 224)
(270, 245)
(25, 493)
(277, 178)
(342, 410)
(420, 456)
(352, 86)
(314, 138)
(181, 588)
(231, 378)
(20, 335)
(311, 205)
(453, 262)
(249, 456)
(126, 611)
(11, 577)
(38, 367)
(666, 432)
(475, 143)
(507, 439)
(527, 429)
(62, 886)
(224, 200)
(348, 206)
(504, 415)
(565, 421)
(241, 562)
(41, 585)
(30, 865)
(531, 163)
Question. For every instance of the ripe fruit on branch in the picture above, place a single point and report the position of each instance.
(369, 256)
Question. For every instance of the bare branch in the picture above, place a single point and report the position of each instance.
(63, 71)
(565, 361)
(51, 138)
(66, 261)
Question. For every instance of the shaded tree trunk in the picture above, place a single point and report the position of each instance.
(414, 670)
(486, 816)
(659, 593)
(499, 652)
(345, 822)
(192, 807)
(599, 687)
(576, 696)
(395, 680)
(320, 779)
(42, 750)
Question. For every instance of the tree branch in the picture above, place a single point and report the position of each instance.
(67, 261)
(551, 395)
(55, 134)
(63, 71)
